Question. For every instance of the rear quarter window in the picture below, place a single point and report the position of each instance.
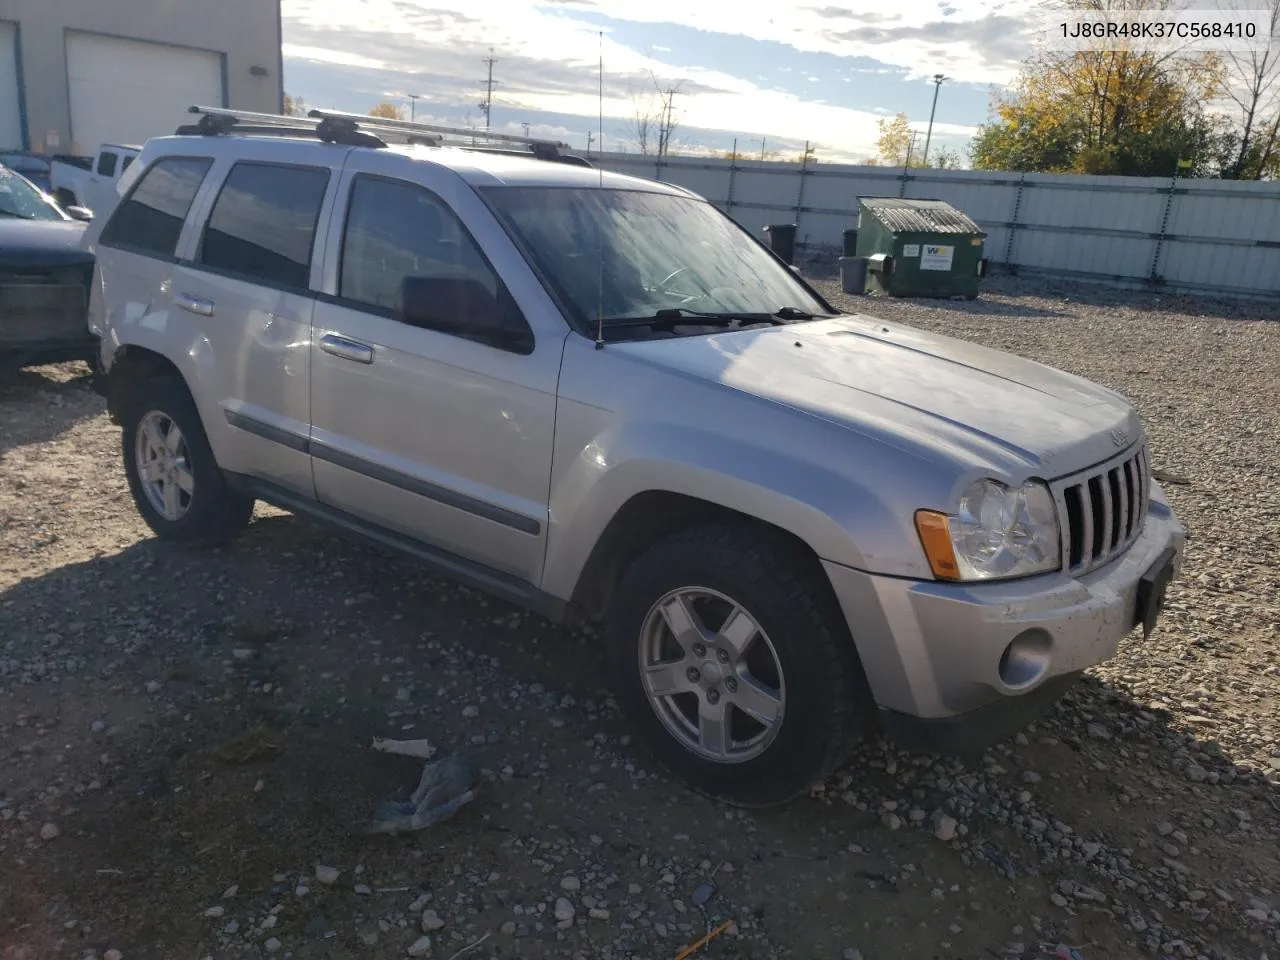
(149, 220)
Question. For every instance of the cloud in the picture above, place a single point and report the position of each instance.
(548, 58)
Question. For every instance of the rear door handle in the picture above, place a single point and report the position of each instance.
(197, 305)
(346, 349)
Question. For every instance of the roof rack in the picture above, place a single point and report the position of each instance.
(353, 129)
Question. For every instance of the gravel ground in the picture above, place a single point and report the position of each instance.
(185, 736)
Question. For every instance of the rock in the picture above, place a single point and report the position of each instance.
(431, 922)
(113, 954)
(363, 890)
(892, 821)
(214, 912)
(571, 884)
(418, 904)
(564, 910)
(1164, 828)
(50, 831)
(945, 829)
(1057, 899)
(231, 891)
(1098, 731)
(852, 953)
(1090, 894)
(1090, 849)
(420, 947)
(242, 653)
(327, 875)
(470, 712)
(272, 945)
(153, 686)
(1196, 773)
(598, 913)
(1255, 914)
(1030, 776)
(508, 928)
(633, 888)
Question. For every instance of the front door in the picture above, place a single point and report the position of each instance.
(434, 435)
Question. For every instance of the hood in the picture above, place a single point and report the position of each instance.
(41, 243)
(933, 394)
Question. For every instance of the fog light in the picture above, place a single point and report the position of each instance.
(1026, 660)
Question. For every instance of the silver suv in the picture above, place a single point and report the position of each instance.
(600, 398)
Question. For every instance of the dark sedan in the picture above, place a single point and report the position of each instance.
(45, 278)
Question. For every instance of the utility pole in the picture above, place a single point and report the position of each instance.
(487, 106)
(937, 85)
(413, 105)
(526, 128)
(591, 136)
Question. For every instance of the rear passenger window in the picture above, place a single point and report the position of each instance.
(150, 219)
(396, 229)
(263, 224)
(125, 165)
(107, 164)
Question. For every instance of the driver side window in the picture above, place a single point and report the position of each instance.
(396, 229)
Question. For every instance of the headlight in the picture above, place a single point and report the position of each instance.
(998, 532)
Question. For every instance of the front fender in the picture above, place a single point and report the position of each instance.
(840, 519)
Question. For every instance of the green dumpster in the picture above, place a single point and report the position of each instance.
(920, 248)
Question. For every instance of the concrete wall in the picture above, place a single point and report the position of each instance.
(246, 32)
(1209, 236)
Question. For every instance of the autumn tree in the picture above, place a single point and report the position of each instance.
(1252, 85)
(894, 142)
(294, 106)
(1136, 112)
(386, 111)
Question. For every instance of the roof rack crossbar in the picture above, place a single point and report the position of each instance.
(335, 126)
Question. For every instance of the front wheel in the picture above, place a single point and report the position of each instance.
(734, 661)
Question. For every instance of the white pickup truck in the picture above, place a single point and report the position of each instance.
(91, 181)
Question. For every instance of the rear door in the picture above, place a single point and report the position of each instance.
(248, 287)
(102, 182)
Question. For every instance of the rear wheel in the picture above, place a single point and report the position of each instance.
(733, 660)
(173, 477)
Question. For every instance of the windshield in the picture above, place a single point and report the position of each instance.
(20, 199)
(625, 254)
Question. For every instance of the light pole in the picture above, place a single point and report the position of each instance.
(413, 105)
(937, 85)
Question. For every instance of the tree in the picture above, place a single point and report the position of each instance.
(386, 111)
(944, 158)
(894, 141)
(294, 106)
(1252, 84)
(1134, 112)
(654, 120)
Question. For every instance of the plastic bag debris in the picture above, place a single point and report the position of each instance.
(446, 785)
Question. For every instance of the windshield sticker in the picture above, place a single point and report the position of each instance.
(911, 250)
(935, 257)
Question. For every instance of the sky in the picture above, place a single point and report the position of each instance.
(752, 70)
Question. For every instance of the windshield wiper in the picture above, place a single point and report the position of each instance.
(674, 316)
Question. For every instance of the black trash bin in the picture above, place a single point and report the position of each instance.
(782, 240)
(851, 242)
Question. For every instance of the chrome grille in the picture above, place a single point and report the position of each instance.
(1103, 510)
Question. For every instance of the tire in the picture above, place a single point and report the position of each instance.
(208, 511)
(825, 700)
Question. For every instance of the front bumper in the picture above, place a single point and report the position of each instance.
(969, 664)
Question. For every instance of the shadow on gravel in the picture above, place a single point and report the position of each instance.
(259, 674)
(36, 407)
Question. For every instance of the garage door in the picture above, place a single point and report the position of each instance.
(124, 91)
(10, 110)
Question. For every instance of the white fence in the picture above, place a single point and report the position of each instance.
(1215, 236)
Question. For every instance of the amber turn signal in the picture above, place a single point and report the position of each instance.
(935, 537)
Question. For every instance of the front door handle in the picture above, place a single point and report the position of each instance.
(346, 349)
(197, 305)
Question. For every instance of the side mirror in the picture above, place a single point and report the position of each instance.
(79, 213)
(465, 307)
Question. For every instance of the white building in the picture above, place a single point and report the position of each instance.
(78, 73)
